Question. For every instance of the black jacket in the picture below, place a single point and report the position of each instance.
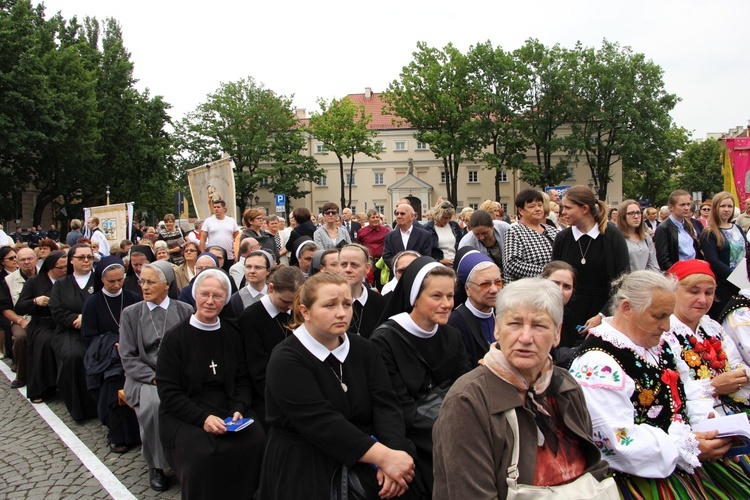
(667, 244)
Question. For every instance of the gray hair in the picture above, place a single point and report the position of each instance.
(638, 288)
(537, 294)
(159, 273)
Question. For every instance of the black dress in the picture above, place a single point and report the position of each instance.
(366, 319)
(66, 303)
(41, 368)
(315, 426)
(100, 328)
(446, 356)
(201, 373)
(260, 334)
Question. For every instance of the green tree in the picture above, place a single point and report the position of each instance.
(434, 95)
(548, 105)
(256, 127)
(699, 168)
(500, 85)
(621, 108)
(341, 126)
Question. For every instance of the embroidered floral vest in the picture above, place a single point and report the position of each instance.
(659, 396)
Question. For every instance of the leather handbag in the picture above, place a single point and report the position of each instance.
(586, 487)
(358, 483)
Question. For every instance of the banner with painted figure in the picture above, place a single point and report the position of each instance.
(736, 167)
(113, 220)
(210, 182)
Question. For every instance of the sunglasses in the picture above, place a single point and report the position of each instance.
(488, 284)
(83, 257)
(331, 212)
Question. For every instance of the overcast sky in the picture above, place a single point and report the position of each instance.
(183, 50)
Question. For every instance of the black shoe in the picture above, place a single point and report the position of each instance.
(17, 384)
(118, 448)
(158, 480)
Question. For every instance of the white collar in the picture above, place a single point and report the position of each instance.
(476, 312)
(105, 292)
(209, 327)
(593, 232)
(408, 324)
(362, 299)
(319, 350)
(408, 231)
(255, 292)
(709, 326)
(271, 309)
(607, 332)
(164, 304)
(81, 280)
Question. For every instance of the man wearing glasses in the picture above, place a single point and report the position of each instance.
(405, 236)
(10, 290)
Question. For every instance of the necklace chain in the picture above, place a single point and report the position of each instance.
(110, 309)
(583, 254)
(163, 327)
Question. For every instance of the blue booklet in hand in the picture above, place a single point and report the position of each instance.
(240, 424)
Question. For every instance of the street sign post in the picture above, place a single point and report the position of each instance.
(280, 202)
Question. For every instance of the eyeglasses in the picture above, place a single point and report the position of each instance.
(488, 284)
(705, 209)
(61, 268)
(400, 213)
(218, 297)
(260, 217)
(148, 283)
(12, 257)
(256, 268)
(331, 212)
(27, 259)
(446, 206)
(633, 214)
(83, 257)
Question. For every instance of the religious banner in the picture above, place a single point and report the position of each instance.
(211, 182)
(736, 167)
(113, 220)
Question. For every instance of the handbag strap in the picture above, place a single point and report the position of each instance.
(411, 346)
(510, 416)
(344, 482)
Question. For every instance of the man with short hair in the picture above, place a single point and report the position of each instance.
(74, 234)
(406, 236)
(351, 225)
(194, 236)
(10, 290)
(220, 230)
(53, 233)
(487, 235)
(98, 236)
(17, 237)
(675, 239)
(743, 220)
(554, 195)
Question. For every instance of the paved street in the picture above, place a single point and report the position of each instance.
(62, 458)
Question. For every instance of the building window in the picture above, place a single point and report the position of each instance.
(399, 145)
(442, 177)
(505, 207)
(322, 181)
(351, 180)
(474, 206)
(503, 176)
(571, 174)
(380, 208)
(321, 149)
(473, 176)
(379, 179)
(264, 182)
(422, 146)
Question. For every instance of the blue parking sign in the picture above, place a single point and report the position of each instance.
(280, 202)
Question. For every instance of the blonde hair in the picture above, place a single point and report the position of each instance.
(714, 227)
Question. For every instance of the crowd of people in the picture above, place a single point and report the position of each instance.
(569, 346)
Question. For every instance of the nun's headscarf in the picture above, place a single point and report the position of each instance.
(300, 244)
(461, 254)
(51, 261)
(270, 260)
(213, 273)
(166, 269)
(317, 262)
(104, 265)
(405, 294)
(145, 250)
(209, 254)
(469, 264)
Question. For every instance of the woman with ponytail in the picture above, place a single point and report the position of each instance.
(597, 251)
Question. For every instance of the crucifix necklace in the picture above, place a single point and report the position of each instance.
(213, 366)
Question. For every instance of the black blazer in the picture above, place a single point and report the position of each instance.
(667, 244)
(354, 227)
(305, 229)
(419, 240)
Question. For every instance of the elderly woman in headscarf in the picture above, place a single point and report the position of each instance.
(423, 354)
(142, 328)
(100, 332)
(204, 387)
(66, 304)
(41, 381)
(517, 382)
(258, 265)
(475, 318)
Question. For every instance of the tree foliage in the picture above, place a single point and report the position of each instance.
(341, 126)
(434, 95)
(257, 128)
(699, 168)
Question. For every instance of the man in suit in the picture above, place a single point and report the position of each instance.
(406, 236)
(351, 225)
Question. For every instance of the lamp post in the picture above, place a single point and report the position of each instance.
(108, 195)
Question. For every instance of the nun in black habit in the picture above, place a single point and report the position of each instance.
(66, 305)
(41, 368)
(421, 351)
(100, 332)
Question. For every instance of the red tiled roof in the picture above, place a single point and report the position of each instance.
(374, 106)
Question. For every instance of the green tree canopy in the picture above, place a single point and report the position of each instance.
(699, 168)
(341, 126)
(257, 128)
